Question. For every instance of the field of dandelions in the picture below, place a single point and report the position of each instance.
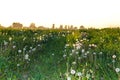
(85, 54)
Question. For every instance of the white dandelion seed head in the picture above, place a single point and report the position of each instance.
(114, 56)
(30, 47)
(94, 53)
(79, 74)
(101, 53)
(117, 70)
(83, 50)
(14, 46)
(18, 64)
(64, 55)
(87, 52)
(72, 71)
(53, 54)
(76, 52)
(19, 51)
(38, 45)
(26, 56)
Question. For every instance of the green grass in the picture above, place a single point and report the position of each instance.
(53, 60)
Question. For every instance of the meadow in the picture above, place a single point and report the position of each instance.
(59, 54)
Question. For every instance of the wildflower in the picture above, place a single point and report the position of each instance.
(53, 54)
(18, 64)
(88, 76)
(78, 47)
(63, 35)
(24, 38)
(94, 53)
(64, 55)
(67, 45)
(81, 40)
(76, 52)
(91, 71)
(114, 56)
(95, 45)
(68, 78)
(73, 51)
(5, 42)
(74, 63)
(71, 54)
(33, 49)
(24, 49)
(79, 58)
(26, 56)
(73, 33)
(38, 45)
(84, 39)
(30, 51)
(10, 38)
(83, 50)
(76, 39)
(19, 51)
(79, 74)
(100, 53)
(28, 59)
(72, 71)
(87, 52)
(73, 45)
(117, 70)
(14, 47)
(30, 47)
(90, 45)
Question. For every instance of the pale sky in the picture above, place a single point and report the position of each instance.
(94, 13)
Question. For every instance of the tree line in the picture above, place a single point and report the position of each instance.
(33, 26)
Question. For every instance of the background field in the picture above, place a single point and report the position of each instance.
(59, 54)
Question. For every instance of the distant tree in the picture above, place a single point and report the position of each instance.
(65, 26)
(75, 27)
(1, 26)
(82, 27)
(53, 26)
(71, 27)
(17, 25)
(41, 27)
(61, 26)
(32, 25)
(68, 26)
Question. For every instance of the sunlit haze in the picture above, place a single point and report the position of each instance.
(90, 13)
